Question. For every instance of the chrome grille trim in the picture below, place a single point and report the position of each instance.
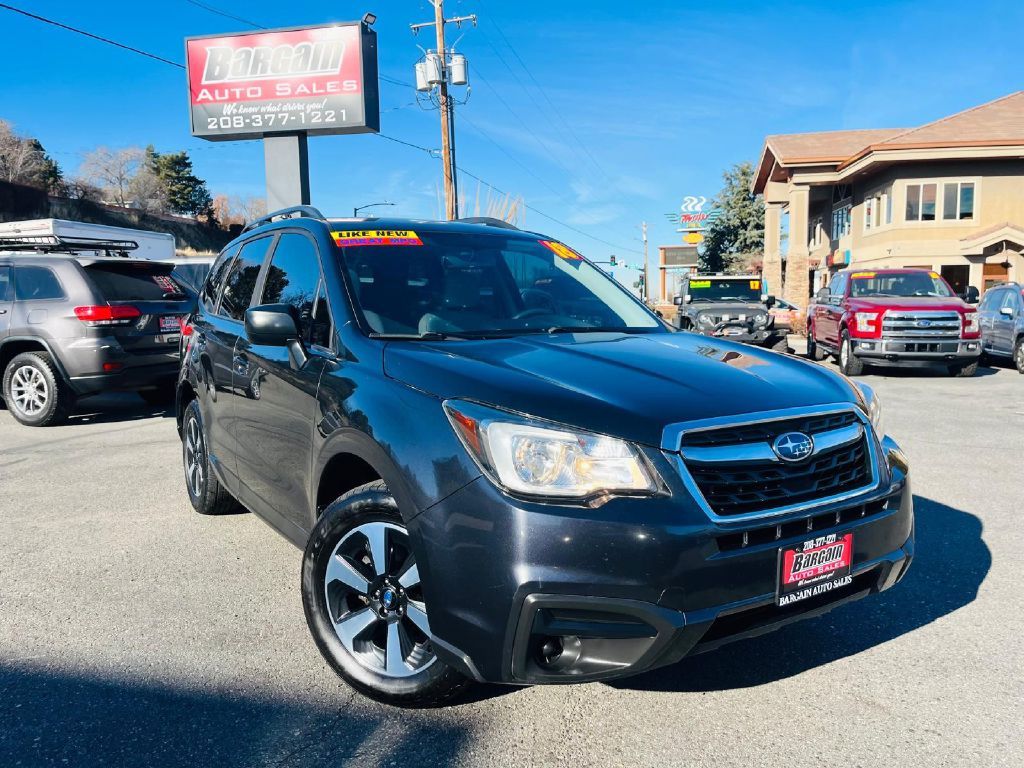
(742, 452)
(923, 323)
(673, 434)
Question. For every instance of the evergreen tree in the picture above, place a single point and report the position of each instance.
(186, 193)
(738, 232)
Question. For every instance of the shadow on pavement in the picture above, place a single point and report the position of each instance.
(950, 563)
(51, 718)
(111, 408)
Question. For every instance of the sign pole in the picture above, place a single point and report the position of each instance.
(286, 159)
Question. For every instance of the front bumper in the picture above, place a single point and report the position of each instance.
(630, 585)
(916, 351)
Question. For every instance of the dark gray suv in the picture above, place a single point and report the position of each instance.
(76, 320)
(1002, 323)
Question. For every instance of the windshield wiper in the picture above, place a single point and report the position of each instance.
(594, 329)
(428, 336)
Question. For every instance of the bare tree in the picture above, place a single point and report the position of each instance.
(112, 171)
(20, 161)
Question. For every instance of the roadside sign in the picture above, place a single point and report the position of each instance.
(310, 80)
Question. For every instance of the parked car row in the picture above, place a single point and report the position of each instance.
(912, 318)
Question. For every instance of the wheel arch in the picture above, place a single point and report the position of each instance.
(13, 346)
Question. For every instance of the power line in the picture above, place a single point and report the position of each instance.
(431, 152)
(543, 93)
(106, 40)
(225, 14)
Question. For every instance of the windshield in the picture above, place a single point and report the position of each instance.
(711, 289)
(918, 283)
(478, 285)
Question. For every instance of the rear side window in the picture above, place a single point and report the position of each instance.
(35, 284)
(293, 278)
(215, 280)
(241, 281)
(5, 283)
(121, 283)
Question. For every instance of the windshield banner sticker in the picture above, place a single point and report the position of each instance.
(700, 283)
(563, 251)
(370, 237)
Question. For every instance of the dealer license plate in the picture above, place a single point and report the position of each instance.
(814, 567)
(170, 324)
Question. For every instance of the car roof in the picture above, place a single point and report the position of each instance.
(426, 225)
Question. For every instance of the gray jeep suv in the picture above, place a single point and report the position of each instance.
(76, 320)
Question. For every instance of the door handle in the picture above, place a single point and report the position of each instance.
(241, 365)
(3, 311)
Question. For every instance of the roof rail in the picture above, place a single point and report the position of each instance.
(488, 221)
(295, 212)
(71, 245)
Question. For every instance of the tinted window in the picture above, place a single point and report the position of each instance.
(5, 283)
(35, 283)
(838, 286)
(215, 280)
(241, 281)
(294, 277)
(320, 327)
(991, 301)
(134, 283)
(191, 275)
(1009, 300)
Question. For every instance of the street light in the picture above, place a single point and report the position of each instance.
(355, 211)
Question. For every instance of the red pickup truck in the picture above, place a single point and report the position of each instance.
(890, 317)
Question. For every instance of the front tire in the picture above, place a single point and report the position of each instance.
(964, 371)
(813, 351)
(207, 495)
(36, 394)
(364, 604)
(849, 363)
(1018, 355)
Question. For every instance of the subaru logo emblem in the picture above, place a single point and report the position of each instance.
(793, 446)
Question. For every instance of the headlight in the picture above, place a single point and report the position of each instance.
(872, 407)
(972, 323)
(705, 320)
(537, 458)
(867, 322)
(761, 320)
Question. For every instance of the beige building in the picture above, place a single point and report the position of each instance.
(947, 196)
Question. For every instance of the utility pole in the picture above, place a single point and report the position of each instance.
(643, 226)
(437, 70)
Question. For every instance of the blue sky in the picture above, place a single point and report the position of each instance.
(661, 97)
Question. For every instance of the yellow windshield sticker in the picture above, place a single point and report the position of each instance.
(857, 275)
(755, 285)
(563, 251)
(700, 283)
(934, 275)
(362, 237)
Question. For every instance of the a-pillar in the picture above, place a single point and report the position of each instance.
(798, 288)
(771, 272)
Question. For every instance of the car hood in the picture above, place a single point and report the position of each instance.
(629, 386)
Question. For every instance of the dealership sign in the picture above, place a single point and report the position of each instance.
(313, 80)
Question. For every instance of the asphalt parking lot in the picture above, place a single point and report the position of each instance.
(134, 632)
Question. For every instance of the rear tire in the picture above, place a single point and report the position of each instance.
(382, 650)
(849, 363)
(207, 495)
(35, 393)
(964, 371)
(782, 345)
(813, 350)
(1018, 355)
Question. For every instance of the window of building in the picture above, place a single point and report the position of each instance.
(815, 232)
(921, 202)
(878, 209)
(841, 221)
(958, 201)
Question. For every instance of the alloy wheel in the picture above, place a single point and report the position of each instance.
(844, 353)
(29, 390)
(1020, 357)
(195, 457)
(375, 602)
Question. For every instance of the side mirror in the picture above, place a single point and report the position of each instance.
(1006, 311)
(769, 301)
(972, 294)
(677, 300)
(271, 324)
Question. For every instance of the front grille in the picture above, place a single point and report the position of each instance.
(921, 325)
(767, 431)
(737, 473)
